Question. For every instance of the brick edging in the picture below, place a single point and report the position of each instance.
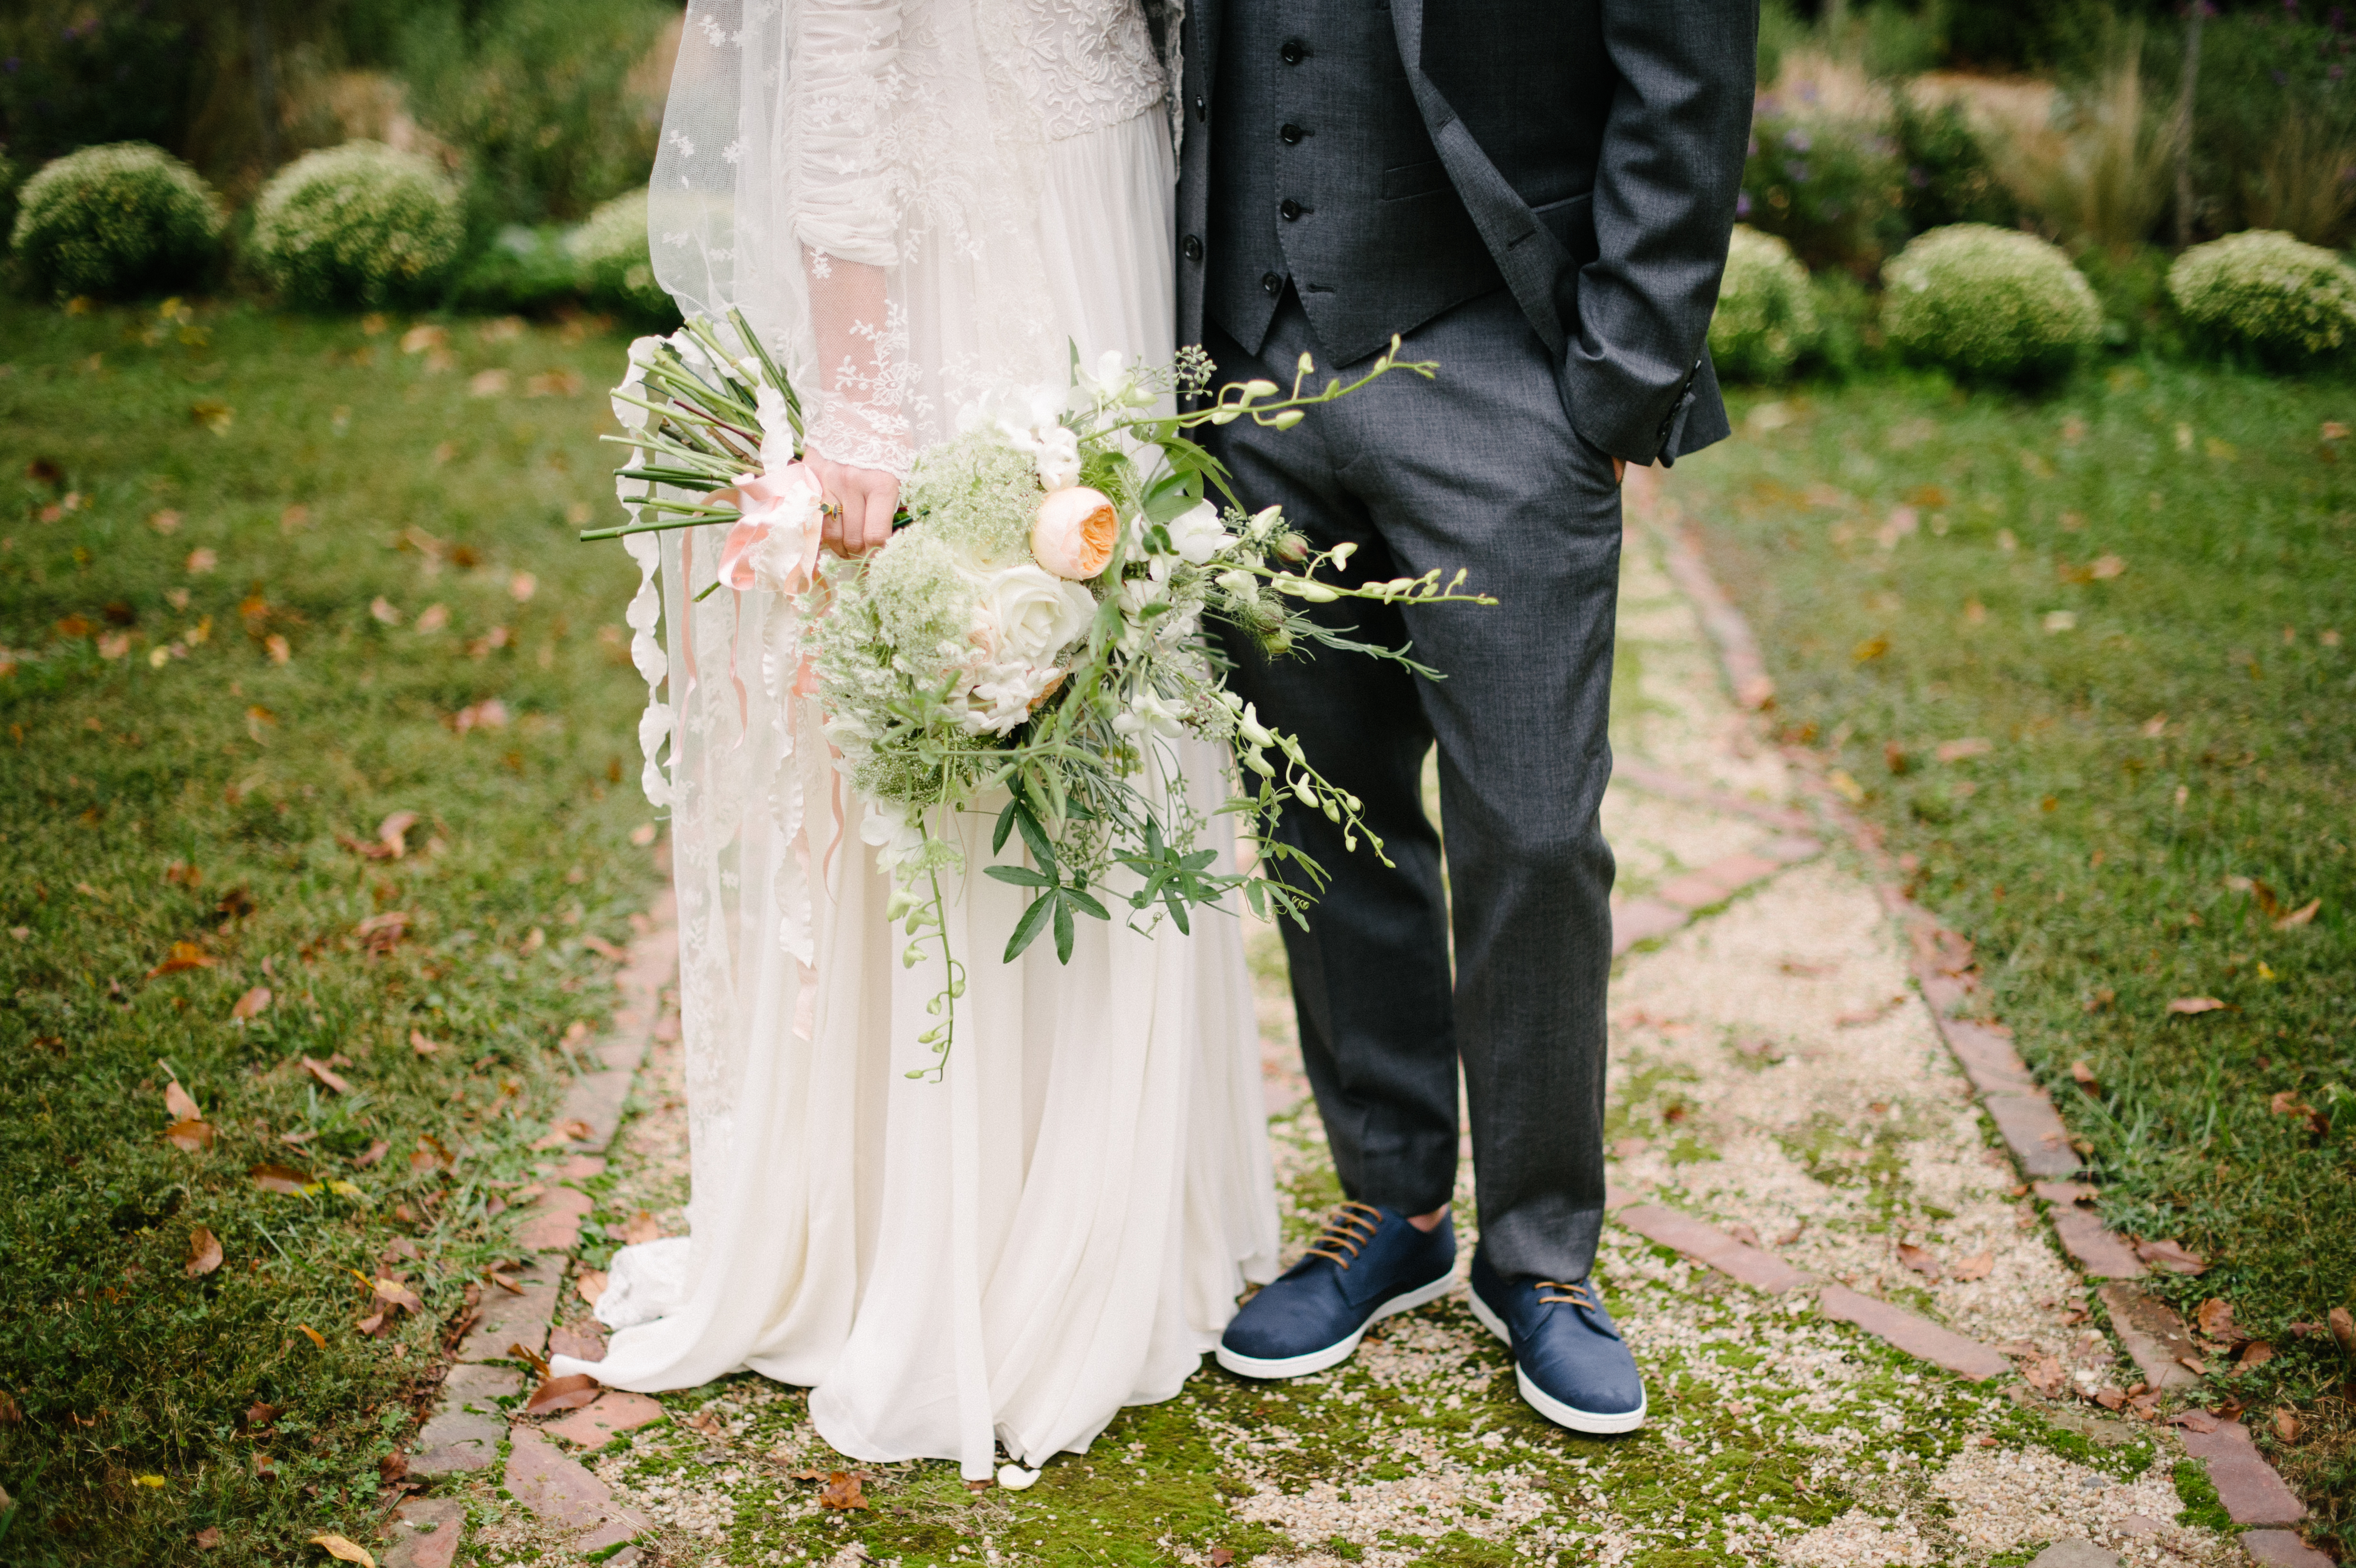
(2152, 1333)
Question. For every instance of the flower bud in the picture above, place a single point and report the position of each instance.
(1292, 548)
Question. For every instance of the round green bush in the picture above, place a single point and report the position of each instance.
(116, 220)
(617, 266)
(359, 224)
(1766, 319)
(2268, 292)
(1987, 303)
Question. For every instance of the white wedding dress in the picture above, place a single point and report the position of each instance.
(1061, 1224)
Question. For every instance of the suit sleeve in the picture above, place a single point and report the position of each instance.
(1636, 373)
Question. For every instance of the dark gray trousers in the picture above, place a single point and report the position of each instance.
(1480, 469)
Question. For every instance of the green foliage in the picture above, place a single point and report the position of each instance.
(359, 224)
(79, 76)
(2285, 301)
(546, 98)
(526, 271)
(2133, 290)
(617, 262)
(145, 723)
(1830, 186)
(1766, 317)
(2274, 125)
(1987, 303)
(1848, 334)
(116, 221)
(1949, 177)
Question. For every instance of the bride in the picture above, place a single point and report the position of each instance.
(911, 200)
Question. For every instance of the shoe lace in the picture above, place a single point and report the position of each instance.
(1352, 1227)
(1578, 1295)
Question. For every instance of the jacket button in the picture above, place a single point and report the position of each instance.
(1290, 135)
(1272, 282)
(1202, 109)
(1293, 52)
(1191, 246)
(1288, 211)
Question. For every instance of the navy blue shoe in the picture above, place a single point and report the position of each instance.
(1370, 1263)
(1572, 1364)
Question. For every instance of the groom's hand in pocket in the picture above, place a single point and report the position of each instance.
(865, 499)
(1619, 469)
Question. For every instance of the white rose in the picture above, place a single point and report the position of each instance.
(1025, 614)
(1197, 533)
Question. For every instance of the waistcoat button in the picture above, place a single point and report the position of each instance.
(1288, 211)
(1272, 282)
(1191, 246)
(1290, 135)
(1293, 52)
(1202, 109)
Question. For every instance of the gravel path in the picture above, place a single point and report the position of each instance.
(1775, 1074)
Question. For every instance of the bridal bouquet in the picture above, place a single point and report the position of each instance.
(1034, 629)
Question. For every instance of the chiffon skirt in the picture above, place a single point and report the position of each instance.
(1060, 1224)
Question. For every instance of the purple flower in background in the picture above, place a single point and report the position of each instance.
(1797, 140)
(1742, 203)
(1797, 172)
(2334, 73)
(1750, 152)
(1917, 178)
(14, 65)
(2336, 17)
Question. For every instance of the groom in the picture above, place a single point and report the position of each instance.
(1536, 194)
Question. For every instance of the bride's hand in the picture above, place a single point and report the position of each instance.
(863, 499)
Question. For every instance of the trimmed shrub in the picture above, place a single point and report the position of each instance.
(617, 266)
(522, 270)
(1989, 303)
(359, 224)
(116, 220)
(2264, 292)
(1765, 317)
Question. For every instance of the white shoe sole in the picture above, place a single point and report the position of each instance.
(1545, 1403)
(1339, 1352)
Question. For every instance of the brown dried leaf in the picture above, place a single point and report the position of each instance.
(382, 932)
(1967, 746)
(2194, 1420)
(642, 1227)
(184, 956)
(313, 1335)
(842, 1491)
(2299, 916)
(2256, 1353)
(1919, 1259)
(391, 834)
(2195, 1005)
(2169, 1255)
(376, 1151)
(1980, 1265)
(423, 1046)
(328, 1076)
(258, 1416)
(2216, 1321)
(207, 1538)
(283, 1178)
(2045, 1375)
(2084, 1075)
(393, 1293)
(2287, 1425)
(343, 1550)
(180, 1104)
(251, 1004)
(1221, 1556)
(204, 1253)
(195, 1136)
(2342, 1324)
(568, 1393)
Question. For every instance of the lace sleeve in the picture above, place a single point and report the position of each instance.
(846, 80)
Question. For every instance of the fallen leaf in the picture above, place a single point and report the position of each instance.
(1980, 1265)
(606, 949)
(2045, 1375)
(2110, 1398)
(1919, 1259)
(371, 1326)
(564, 1133)
(376, 1151)
(2287, 1425)
(2342, 1324)
(391, 834)
(841, 1491)
(1221, 1556)
(569, 1392)
(2299, 916)
(1969, 746)
(184, 956)
(510, 1287)
(394, 1294)
(328, 1076)
(2194, 1419)
(382, 932)
(281, 1179)
(642, 1227)
(189, 1133)
(423, 1046)
(313, 1335)
(204, 1253)
(1744, 1233)
(2195, 1005)
(2106, 567)
(181, 1104)
(1844, 786)
(2172, 1257)
(343, 1550)
(2084, 1075)
(392, 1466)
(251, 1004)
(2256, 1353)
(258, 1416)
(2215, 1319)
(207, 1538)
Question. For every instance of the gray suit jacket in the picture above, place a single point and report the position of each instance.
(1598, 145)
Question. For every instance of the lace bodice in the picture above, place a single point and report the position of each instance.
(1092, 63)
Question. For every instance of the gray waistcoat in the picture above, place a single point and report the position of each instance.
(1323, 173)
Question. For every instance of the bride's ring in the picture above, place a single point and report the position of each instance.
(830, 507)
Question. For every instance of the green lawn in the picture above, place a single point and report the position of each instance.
(253, 571)
(2126, 610)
